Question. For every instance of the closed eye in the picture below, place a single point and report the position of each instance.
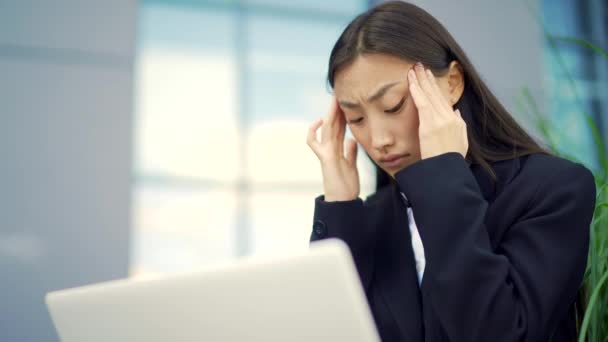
(356, 121)
(397, 107)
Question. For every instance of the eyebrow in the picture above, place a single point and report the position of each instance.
(372, 98)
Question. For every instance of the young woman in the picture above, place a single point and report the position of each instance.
(480, 235)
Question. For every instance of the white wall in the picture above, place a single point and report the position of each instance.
(66, 79)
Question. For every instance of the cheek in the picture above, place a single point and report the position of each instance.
(408, 120)
(361, 135)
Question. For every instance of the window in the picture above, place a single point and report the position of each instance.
(225, 94)
(575, 77)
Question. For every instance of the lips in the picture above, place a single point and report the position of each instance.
(393, 161)
(392, 158)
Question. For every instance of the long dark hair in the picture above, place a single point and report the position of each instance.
(404, 30)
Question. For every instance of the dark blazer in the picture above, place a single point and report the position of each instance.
(504, 260)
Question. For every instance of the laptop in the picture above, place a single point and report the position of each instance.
(315, 295)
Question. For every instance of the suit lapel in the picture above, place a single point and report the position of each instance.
(505, 171)
(397, 271)
(396, 265)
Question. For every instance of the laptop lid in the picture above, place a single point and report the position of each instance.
(315, 295)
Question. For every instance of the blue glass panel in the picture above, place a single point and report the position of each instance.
(336, 6)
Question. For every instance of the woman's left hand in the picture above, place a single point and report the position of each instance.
(441, 129)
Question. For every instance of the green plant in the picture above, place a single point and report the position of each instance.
(594, 325)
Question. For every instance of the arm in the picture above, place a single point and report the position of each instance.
(518, 291)
(348, 221)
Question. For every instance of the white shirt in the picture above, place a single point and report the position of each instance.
(416, 242)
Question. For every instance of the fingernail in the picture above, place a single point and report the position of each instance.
(411, 74)
(419, 65)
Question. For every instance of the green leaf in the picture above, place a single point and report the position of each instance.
(598, 142)
(600, 191)
(592, 300)
(583, 42)
(594, 293)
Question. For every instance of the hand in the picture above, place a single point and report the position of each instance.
(441, 129)
(340, 175)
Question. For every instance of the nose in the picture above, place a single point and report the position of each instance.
(381, 135)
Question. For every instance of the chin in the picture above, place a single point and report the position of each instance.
(393, 172)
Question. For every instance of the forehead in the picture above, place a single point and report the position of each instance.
(368, 72)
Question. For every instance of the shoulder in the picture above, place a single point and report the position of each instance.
(543, 168)
(550, 176)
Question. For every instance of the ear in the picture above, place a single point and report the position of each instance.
(455, 81)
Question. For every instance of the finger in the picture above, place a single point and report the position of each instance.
(420, 99)
(327, 122)
(465, 136)
(311, 138)
(351, 151)
(336, 128)
(340, 123)
(432, 92)
(334, 123)
(333, 111)
(419, 69)
(423, 80)
(441, 101)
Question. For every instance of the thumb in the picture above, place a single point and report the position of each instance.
(351, 151)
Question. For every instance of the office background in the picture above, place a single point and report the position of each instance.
(144, 138)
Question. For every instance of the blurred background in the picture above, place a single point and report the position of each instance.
(140, 138)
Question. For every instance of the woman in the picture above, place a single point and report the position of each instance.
(480, 235)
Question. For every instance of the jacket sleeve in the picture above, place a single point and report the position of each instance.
(519, 291)
(348, 221)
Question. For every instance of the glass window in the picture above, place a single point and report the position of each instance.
(187, 125)
(179, 228)
(575, 77)
(347, 7)
(225, 95)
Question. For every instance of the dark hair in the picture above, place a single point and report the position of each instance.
(404, 30)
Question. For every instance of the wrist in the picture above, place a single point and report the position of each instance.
(338, 199)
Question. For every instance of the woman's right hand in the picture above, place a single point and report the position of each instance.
(340, 175)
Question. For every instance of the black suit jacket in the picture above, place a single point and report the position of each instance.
(504, 259)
